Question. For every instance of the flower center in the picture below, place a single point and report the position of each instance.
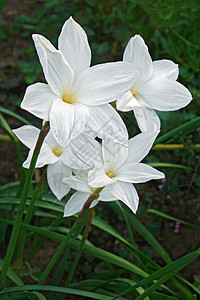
(68, 98)
(57, 151)
(134, 93)
(110, 174)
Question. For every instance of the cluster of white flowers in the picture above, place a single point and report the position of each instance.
(76, 100)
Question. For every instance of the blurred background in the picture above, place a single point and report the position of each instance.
(171, 29)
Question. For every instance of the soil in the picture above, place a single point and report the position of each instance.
(177, 244)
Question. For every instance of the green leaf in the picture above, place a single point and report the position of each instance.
(57, 289)
(179, 131)
(14, 115)
(163, 215)
(169, 165)
(162, 275)
(12, 275)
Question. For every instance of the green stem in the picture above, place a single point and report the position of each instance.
(77, 223)
(22, 234)
(15, 231)
(80, 249)
(57, 254)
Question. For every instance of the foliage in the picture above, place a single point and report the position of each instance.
(171, 29)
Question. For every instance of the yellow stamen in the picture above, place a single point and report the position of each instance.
(134, 93)
(57, 151)
(110, 174)
(68, 99)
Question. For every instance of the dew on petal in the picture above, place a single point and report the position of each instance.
(57, 151)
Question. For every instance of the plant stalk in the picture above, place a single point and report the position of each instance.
(15, 231)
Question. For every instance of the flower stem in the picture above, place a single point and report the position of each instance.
(57, 254)
(80, 250)
(77, 223)
(15, 231)
(22, 234)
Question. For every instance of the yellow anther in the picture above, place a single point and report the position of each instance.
(68, 99)
(110, 174)
(134, 93)
(57, 151)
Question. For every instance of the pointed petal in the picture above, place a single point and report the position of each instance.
(77, 183)
(46, 156)
(26, 163)
(165, 94)
(106, 195)
(67, 121)
(127, 102)
(76, 202)
(165, 68)
(55, 174)
(38, 99)
(73, 43)
(57, 71)
(107, 123)
(124, 192)
(28, 135)
(138, 173)
(114, 154)
(104, 83)
(98, 178)
(147, 119)
(137, 53)
(140, 145)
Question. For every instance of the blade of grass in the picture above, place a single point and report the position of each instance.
(163, 215)
(179, 131)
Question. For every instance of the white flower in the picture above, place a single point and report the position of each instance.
(76, 92)
(155, 88)
(60, 160)
(117, 167)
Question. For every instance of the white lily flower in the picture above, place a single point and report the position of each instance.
(155, 88)
(117, 167)
(60, 160)
(75, 92)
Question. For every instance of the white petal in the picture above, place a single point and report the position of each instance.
(70, 159)
(127, 102)
(114, 154)
(46, 156)
(28, 135)
(55, 174)
(87, 150)
(77, 183)
(124, 192)
(137, 53)
(165, 68)
(38, 99)
(26, 163)
(147, 119)
(57, 71)
(104, 83)
(140, 145)
(106, 195)
(107, 123)
(98, 178)
(137, 173)
(76, 202)
(67, 121)
(74, 45)
(165, 94)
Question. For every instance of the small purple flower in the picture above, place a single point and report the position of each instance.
(160, 186)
